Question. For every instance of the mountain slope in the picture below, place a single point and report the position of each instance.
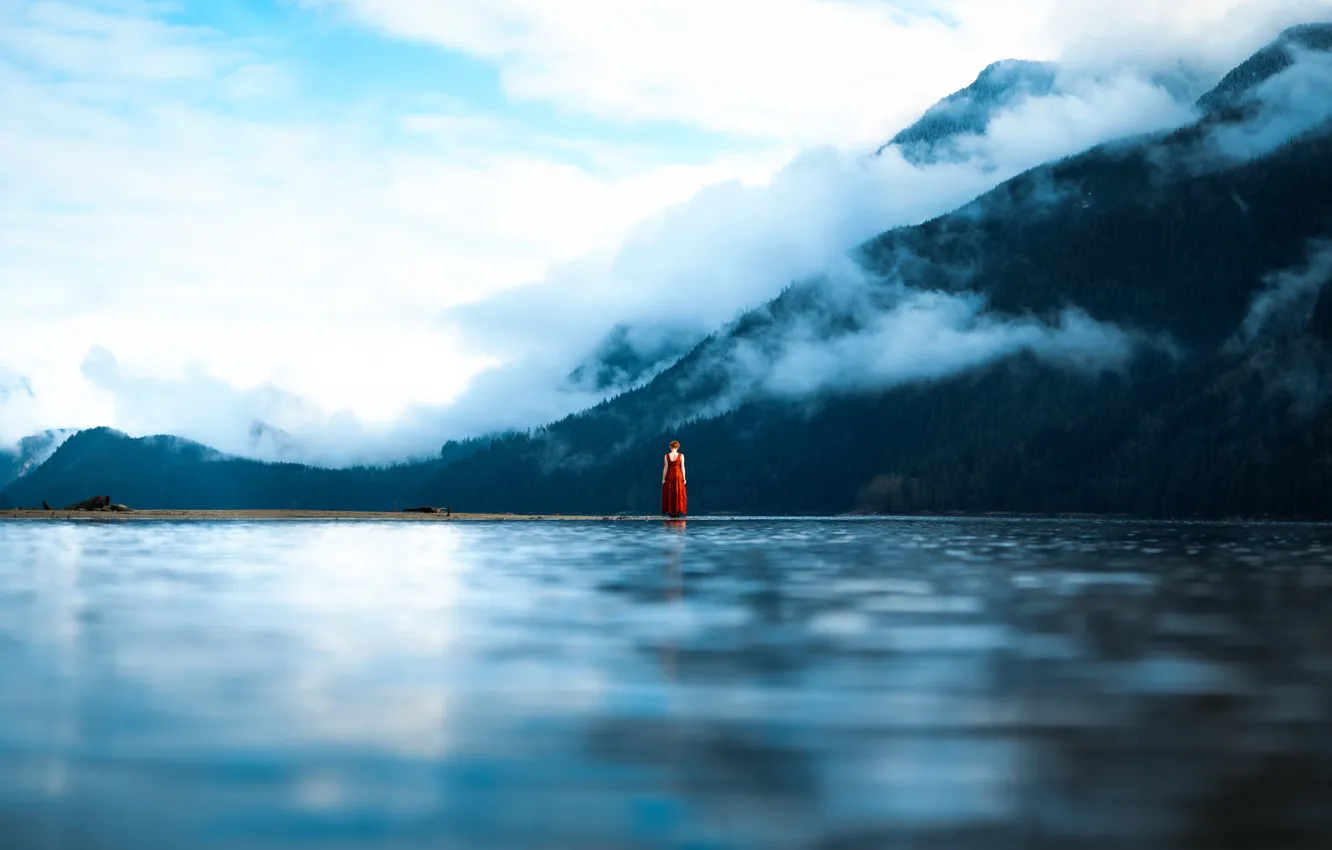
(630, 354)
(1267, 63)
(968, 111)
(1163, 237)
(28, 454)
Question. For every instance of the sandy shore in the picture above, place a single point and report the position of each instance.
(252, 516)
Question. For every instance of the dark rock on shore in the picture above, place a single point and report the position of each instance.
(95, 503)
(424, 509)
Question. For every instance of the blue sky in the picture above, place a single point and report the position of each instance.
(273, 205)
(328, 61)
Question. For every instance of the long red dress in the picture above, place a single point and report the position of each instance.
(674, 500)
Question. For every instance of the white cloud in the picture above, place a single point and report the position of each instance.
(144, 209)
(1287, 105)
(929, 335)
(844, 72)
(734, 246)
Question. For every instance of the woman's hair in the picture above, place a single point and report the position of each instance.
(675, 444)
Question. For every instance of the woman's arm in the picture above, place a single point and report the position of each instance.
(684, 476)
(664, 464)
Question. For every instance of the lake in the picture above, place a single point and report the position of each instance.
(950, 683)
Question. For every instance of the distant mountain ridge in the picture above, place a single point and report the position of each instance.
(169, 472)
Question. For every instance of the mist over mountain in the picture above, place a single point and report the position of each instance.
(29, 453)
(593, 329)
(1267, 63)
(632, 353)
(1140, 328)
(969, 362)
(968, 112)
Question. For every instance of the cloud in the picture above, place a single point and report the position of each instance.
(808, 71)
(733, 246)
(932, 335)
(24, 410)
(263, 422)
(852, 332)
(170, 193)
(1286, 304)
(1274, 339)
(1282, 108)
(13, 385)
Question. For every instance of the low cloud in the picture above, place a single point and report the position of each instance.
(1284, 107)
(262, 422)
(933, 335)
(734, 246)
(12, 384)
(1275, 342)
(852, 332)
(1286, 304)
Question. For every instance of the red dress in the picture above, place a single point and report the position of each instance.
(674, 501)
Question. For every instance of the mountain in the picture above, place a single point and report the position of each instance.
(1000, 87)
(29, 453)
(1169, 238)
(1144, 328)
(169, 472)
(969, 111)
(629, 355)
(1267, 63)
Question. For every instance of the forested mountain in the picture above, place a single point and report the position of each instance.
(1182, 246)
(169, 472)
(630, 354)
(1267, 63)
(1143, 328)
(970, 110)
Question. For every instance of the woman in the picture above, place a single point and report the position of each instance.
(673, 499)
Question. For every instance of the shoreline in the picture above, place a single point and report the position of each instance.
(286, 515)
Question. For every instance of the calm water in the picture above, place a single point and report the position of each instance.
(729, 684)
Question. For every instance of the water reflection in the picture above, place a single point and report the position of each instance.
(730, 684)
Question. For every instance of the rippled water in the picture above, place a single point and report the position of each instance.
(725, 684)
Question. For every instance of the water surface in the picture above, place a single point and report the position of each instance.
(725, 684)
